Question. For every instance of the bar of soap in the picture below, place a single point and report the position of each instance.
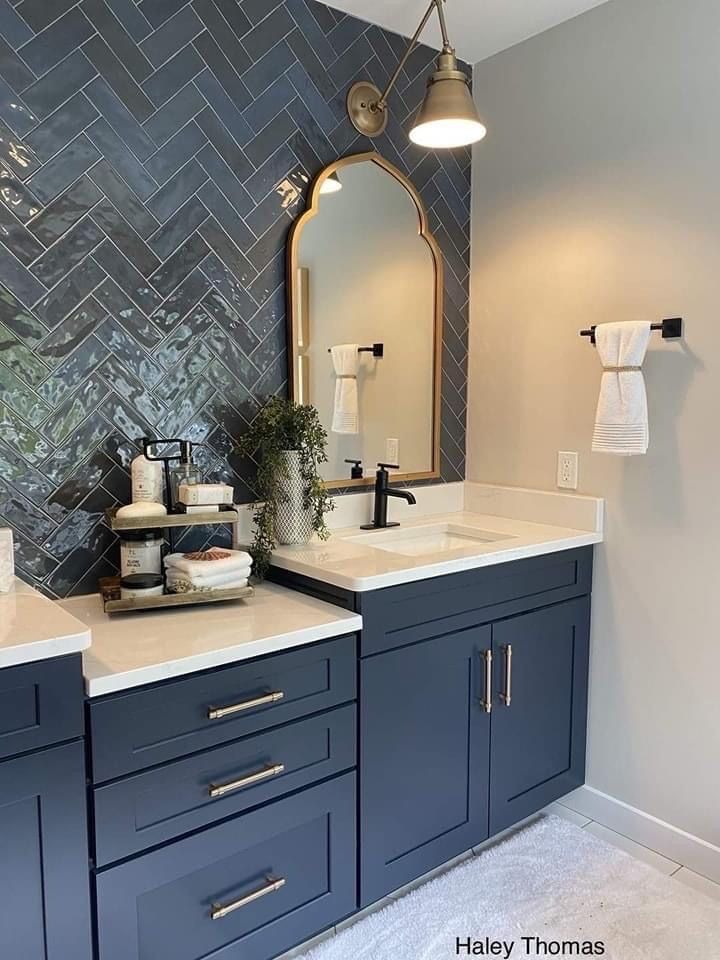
(143, 508)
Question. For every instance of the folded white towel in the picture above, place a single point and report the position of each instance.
(208, 563)
(216, 580)
(621, 421)
(346, 361)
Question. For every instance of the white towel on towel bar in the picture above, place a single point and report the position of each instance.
(346, 361)
(621, 421)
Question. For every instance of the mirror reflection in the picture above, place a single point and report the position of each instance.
(366, 319)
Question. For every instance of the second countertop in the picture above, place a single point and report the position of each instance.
(135, 649)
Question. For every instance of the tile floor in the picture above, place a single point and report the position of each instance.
(651, 857)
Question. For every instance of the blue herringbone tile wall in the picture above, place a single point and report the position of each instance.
(152, 157)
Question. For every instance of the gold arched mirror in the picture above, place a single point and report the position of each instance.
(364, 271)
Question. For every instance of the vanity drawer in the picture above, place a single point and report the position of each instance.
(41, 703)
(155, 806)
(147, 727)
(270, 878)
(396, 616)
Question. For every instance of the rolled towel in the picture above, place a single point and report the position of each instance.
(207, 563)
(346, 361)
(217, 580)
(621, 421)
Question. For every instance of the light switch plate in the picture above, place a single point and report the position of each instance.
(392, 450)
(567, 470)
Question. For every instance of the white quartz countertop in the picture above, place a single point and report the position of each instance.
(360, 566)
(35, 628)
(132, 649)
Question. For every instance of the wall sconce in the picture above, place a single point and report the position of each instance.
(332, 184)
(447, 118)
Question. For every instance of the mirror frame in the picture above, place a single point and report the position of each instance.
(297, 306)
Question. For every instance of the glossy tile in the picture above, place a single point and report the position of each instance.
(118, 77)
(63, 81)
(72, 249)
(120, 119)
(176, 32)
(125, 49)
(55, 42)
(71, 290)
(59, 216)
(147, 182)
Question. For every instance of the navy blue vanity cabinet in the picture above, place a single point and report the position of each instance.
(473, 700)
(44, 884)
(539, 709)
(424, 757)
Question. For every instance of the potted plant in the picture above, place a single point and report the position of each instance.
(289, 443)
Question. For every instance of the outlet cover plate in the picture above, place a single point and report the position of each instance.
(567, 470)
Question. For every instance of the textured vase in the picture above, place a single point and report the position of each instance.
(293, 523)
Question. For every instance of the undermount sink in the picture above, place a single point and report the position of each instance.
(428, 539)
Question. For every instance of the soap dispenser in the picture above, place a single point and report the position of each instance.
(184, 471)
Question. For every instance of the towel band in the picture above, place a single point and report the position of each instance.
(621, 369)
(345, 376)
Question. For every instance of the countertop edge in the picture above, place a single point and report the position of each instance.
(442, 568)
(142, 676)
(38, 650)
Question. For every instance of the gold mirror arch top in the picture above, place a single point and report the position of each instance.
(297, 306)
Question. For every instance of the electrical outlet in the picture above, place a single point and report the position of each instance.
(392, 450)
(567, 470)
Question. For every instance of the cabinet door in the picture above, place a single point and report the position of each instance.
(424, 748)
(44, 906)
(538, 737)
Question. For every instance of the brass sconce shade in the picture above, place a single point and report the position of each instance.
(331, 185)
(447, 118)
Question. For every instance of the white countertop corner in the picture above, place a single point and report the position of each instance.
(130, 650)
(33, 627)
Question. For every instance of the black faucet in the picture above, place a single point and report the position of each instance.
(383, 490)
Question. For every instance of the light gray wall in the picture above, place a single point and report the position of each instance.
(596, 197)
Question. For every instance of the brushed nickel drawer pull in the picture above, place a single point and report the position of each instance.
(220, 789)
(217, 713)
(486, 704)
(506, 696)
(219, 911)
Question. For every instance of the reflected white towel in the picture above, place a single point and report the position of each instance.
(621, 421)
(346, 361)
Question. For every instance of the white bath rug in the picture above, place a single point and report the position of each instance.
(551, 890)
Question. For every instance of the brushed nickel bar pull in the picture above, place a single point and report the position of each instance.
(506, 696)
(217, 713)
(220, 789)
(486, 704)
(219, 911)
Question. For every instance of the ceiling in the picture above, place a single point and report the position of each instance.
(478, 28)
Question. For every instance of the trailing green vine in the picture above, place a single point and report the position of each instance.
(280, 426)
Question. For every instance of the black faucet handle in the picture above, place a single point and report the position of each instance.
(389, 466)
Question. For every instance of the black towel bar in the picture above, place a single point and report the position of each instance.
(671, 329)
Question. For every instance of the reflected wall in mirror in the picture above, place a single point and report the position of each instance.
(364, 269)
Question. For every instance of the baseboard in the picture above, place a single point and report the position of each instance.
(643, 828)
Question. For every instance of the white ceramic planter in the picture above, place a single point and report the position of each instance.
(293, 523)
